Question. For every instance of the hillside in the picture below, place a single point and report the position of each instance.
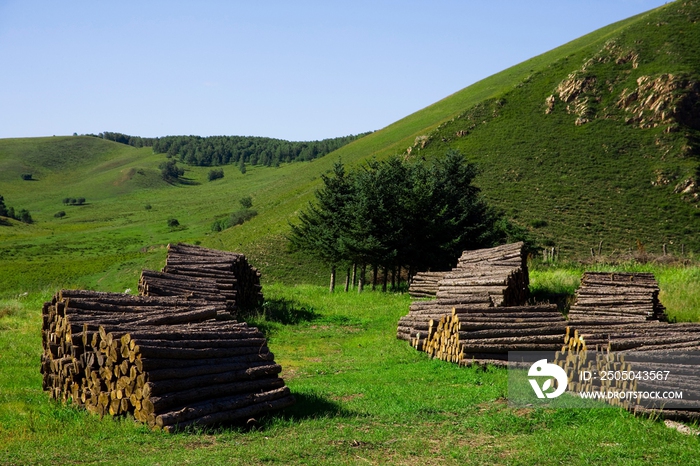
(631, 87)
(595, 140)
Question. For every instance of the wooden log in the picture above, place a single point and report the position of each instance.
(118, 298)
(504, 348)
(147, 275)
(198, 410)
(511, 332)
(173, 291)
(152, 364)
(156, 352)
(159, 404)
(193, 284)
(555, 338)
(80, 305)
(201, 344)
(157, 318)
(525, 324)
(168, 386)
(199, 370)
(236, 414)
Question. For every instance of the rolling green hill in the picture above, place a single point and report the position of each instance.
(595, 140)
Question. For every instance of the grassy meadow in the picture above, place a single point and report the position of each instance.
(363, 397)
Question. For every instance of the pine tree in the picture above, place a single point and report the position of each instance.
(323, 225)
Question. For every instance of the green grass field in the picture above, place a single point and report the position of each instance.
(362, 397)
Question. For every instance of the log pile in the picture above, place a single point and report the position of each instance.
(486, 335)
(632, 297)
(483, 278)
(425, 284)
(198, 272)
(499, 272)
(683, 375)
(420, 313)
(164, 360)
(625, 336)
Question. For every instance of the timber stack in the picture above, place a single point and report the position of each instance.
(483, 278)
(198, 272)
(630, 336)
(425, 284)
(164, 360)
(679, 366)
(415, 324)
(629, 297)
(468, 336)
(500, 272)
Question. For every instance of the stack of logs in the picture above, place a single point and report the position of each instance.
(425, 284)
(198, 272)
(164, 360)
(415, 324)
(485, 335)
(625, 336)
(500, 272)
(630, 297)
(618, 312)
(165, 357)
(483, 278)
(682, 366)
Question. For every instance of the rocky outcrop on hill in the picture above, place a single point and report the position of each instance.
(665, 100)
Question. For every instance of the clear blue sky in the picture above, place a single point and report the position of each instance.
(297, 70)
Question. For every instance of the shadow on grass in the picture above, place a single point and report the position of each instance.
(276, 312)
(312, 406)
(307, 406)
(542, 295)
(188, 181)
(283, 311)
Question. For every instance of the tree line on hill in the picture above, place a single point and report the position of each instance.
(135, 141)
(223, 150)
(397, 214)
(22, 214)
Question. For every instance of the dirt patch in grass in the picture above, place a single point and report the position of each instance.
(126, 175)
(8, 310)
(347, 398)
(202, 441)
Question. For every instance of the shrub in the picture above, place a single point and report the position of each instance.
(23, 216)
(80, 201)
(26, 176)
(60, 214)
(147, 207)
(170, 171)
(246, 202)
(241, 216)
(172, 223)
(236, 218)
(66, 200)
(215, 174)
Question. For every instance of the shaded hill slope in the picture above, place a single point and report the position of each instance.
(602, 145)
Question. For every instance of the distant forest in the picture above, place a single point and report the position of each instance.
(223, 150)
